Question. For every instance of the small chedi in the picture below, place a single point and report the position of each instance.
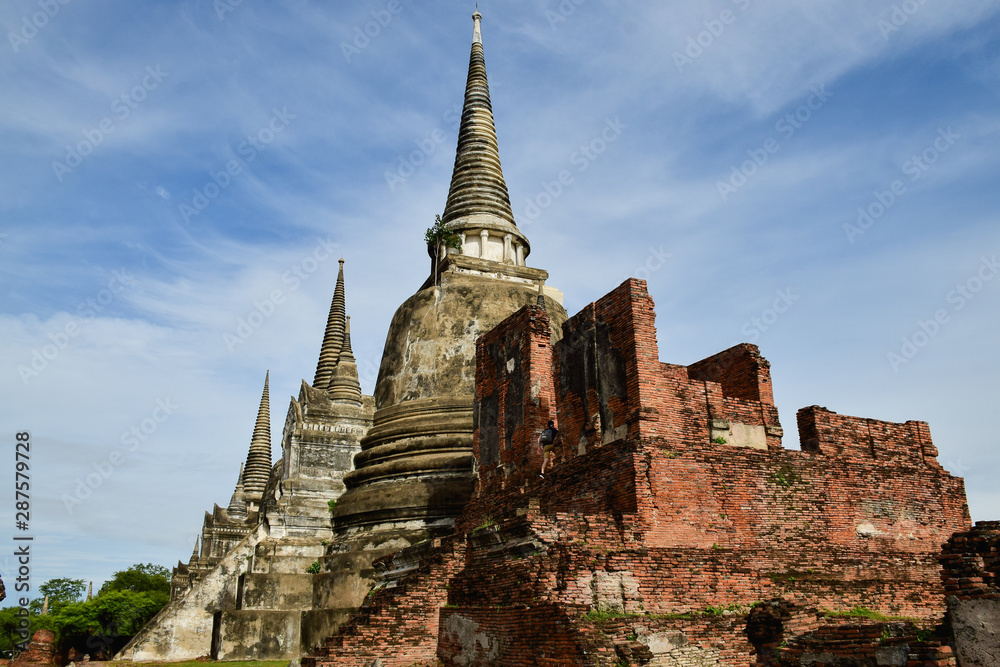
(40, 652)
(247, 591)
(411, 527)
(361, 477)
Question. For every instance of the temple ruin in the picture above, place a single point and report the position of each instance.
(411, 527)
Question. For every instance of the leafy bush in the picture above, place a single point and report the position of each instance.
(121, 607)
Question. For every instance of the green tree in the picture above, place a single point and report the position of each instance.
(124, 612)
(76, 618)
(8, 628)
(123, 605)
(62, 590)
(440, 236)
(10, 624)
(140, 578)
(130, 598)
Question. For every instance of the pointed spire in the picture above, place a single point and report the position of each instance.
(194, 554)
(90, 592)
(477, 184)
(346, 354)
(344, 385)
(540, 301)
(45, 606)
(334, 336)
(237, 505)
(258, 467)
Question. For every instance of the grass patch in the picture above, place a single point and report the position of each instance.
(786, 476)
(711, 610)
(869, 614)
(682, 616)
(601, 615)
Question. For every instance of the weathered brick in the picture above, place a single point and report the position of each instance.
(649, 538)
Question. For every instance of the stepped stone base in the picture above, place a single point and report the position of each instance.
(254, 634)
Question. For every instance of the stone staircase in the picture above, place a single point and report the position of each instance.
(397, 625)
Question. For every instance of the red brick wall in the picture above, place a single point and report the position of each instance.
(970, 563)
(705, 525)
(514, 398)
(41, 651)
(605, 365)
(699, 495)
(824, 432)
(645, 515)
(610, 383)
(397, 624)
(601, 484)
(541, 635)
(855, 518)
(741, 370)
(860, 645)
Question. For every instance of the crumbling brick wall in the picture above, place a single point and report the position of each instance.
(741, 370)
(829, 434)
(610, 383)
(970, 570)
(514, 399)
(671, 510)
(892, 644)
(41, 651)
(605, 366)
(397, 625)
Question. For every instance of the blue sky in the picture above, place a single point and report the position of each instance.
(168, 169)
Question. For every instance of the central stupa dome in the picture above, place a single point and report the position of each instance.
(415, 471)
